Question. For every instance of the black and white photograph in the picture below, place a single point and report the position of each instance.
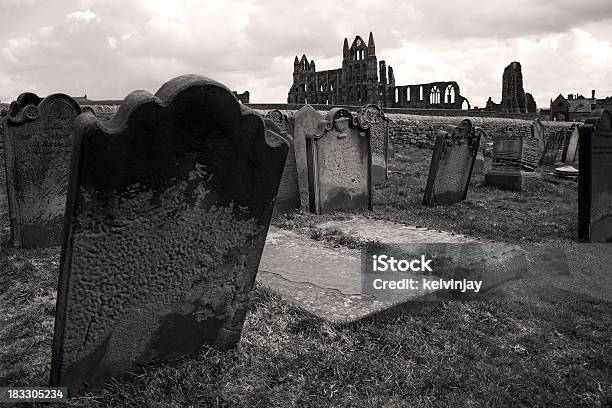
(239, 203)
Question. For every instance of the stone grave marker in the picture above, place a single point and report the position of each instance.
(303, 122)
(551, 151)
(595, 178)
(570, 146)
(452, 163)
(168, 208)
(537, 136)
(288, 197)
(515, 158)
(38, 137)
(373, 116)
(339, 164)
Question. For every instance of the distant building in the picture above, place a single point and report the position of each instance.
(362, 80)
(577, 107)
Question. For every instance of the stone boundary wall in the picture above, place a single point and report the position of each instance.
(421, 131)
(407, 111)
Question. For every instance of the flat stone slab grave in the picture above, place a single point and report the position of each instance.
(327, 282)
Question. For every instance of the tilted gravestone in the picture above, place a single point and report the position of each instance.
(38, 137)
(303, 122)
(553, 145)
(339, 164)
(288, 197)
(168, 208)
(515, 157)
(373, 116)
(452, 163)
(570, 146)
(595, 178)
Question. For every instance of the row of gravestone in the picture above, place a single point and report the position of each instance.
(518, 152)
(334, 159)
(168, 203)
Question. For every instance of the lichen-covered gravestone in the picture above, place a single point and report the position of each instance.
(38, 136)
(288, 197)
(304, 122)
(515, 157)
(570, 146)
(452, 163)
(373, 116)
(339, 164)
(595, 178)
(168, 208)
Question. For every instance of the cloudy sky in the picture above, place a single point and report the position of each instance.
(107, 48)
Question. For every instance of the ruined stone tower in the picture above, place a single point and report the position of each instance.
(513, 94)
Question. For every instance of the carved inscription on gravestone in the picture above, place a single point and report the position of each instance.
(168, 208)
(452, 164)
(38, 137)
(515, 158)
(373, 116)
(595, 178)
(339, 164)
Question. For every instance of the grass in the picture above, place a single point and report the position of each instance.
(451, 355)
(456, 354)
(547, 211)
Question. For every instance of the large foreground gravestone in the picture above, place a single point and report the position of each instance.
(38, 137)
(570, 146)
(516, 154)
(595, 178)
(288, 197)
(303, 122)
(452, 163)
(373, 116)
(167, 213)
(339, 164)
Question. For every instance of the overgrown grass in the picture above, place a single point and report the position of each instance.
(455, 354)
(547, 211)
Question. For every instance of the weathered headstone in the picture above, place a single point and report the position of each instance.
(452, 163)
(537, 137)
(339, 164)
(595, 178)
(303, 122)
(553, 145)
(38, 137)
(167, 213)
(570, 146)
(515, 158)
(373, 116)
(288, 197)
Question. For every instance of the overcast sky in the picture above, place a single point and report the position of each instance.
(107, 48)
